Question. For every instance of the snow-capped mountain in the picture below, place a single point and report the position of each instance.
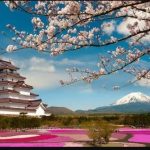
(136, 97)
(132, 103)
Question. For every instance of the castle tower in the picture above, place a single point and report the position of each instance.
(15, 95)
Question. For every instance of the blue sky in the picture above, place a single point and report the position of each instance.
(44, 71)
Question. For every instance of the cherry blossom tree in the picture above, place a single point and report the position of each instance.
(65, 26)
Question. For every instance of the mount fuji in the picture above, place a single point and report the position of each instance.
(135, 102)
(136, 97)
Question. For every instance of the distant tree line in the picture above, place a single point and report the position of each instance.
(139, 120)
(24, 121)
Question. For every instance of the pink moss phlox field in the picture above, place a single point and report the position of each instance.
(42, 144)
(44, 138)
(56, 139)
(139, 135)
(141, 138)
(135, 131)
(67, 131)
(28, 139)
(6, 134)
(125, 128)
(118, 135)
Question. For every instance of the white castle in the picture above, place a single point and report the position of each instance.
(15, 96)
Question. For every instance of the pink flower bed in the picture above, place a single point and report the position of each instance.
(141, 138)
(136, 131)
(56, 140)
(44, 138)
(118, 135)
(138, 135)
(67, 131)
(5, 134)
(125, 128)
(28, 139)
(60, 144)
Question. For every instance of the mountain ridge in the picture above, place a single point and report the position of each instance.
(59, 110)
(135, 102)
(133, 98)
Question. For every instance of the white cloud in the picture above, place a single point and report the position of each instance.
(122, 27)
(43, 80)
(41, 65)
(144, 82)
(39, 72)
(44, 73)
(108, 27)
(66, 61)
(41, 61)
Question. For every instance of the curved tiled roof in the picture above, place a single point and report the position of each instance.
(8, 91)
(5, 74)
(11, 108)
(34, 94)
(12, 75)
(7, 65)
(24, 86)
(33, 104)
(4, 100)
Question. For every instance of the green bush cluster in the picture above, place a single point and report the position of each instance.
(19, 122)
(139, 120)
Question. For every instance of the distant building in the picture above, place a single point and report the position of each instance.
(15, 95)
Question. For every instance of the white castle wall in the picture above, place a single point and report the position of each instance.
(9, 87)
(16, 112)
(23, 91)
(39, 112)
(9, 112)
